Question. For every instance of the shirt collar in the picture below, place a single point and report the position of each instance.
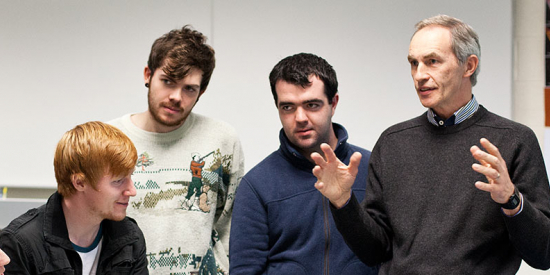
(459, 116)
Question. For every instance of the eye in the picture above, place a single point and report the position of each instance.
(167, 81)
(191, 89)
(286, 108)
(414, 63)
(313, 105)
(433, 61)
(119, 181)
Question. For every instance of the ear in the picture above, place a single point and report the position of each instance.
(147, 75)
(471, 65)
(334, 102)
(78, 181)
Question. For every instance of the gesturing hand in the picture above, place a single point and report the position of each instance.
(334, 178)
(492, 165)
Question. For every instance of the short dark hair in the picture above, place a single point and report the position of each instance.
(181, 50)
(297, 69)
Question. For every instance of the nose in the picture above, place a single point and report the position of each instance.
(175, 95)
(300, 115)
(131, 191)
(420, 72)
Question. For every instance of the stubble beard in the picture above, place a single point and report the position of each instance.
(317, 140)
(313, 142)
(107, 215)
(309, 145)
(154, 110)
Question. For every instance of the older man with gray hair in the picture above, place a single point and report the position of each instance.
(430, 207)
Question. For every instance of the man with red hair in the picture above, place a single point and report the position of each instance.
(83, 228)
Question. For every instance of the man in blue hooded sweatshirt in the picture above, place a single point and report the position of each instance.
(281, 224)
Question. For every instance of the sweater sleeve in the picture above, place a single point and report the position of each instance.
(224, 212)
(366, 232)
(249, 244)
(529, 231)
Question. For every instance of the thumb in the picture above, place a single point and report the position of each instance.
(354, 162)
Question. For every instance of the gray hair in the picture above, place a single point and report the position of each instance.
(464, 40)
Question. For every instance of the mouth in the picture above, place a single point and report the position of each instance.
(124, 204)
(304, 132)
(425, 89)
(171, 109)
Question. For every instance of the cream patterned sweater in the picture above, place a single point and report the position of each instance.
(186, 181)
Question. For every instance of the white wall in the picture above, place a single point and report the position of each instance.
(66, 62)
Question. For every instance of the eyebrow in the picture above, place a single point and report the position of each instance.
(281, 103)
(316, 100)
(428, 56)
(431, 55)
(194, 86)
(163, 74)
(313, 101)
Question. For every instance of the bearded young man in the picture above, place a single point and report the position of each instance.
(181, 156)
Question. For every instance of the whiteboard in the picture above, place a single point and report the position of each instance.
(66, 62)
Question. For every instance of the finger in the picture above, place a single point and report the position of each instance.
(482, 156)
(491, 149)
(489, 172)
(494, 158)
(354, 162)
(318, 159)
(329, 154)
(476, 153)
(319, 185)
(478, 168)
(474, 149)
(488, 160)
(484, 186)
(317, 172)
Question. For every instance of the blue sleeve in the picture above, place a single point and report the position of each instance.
(249, 240)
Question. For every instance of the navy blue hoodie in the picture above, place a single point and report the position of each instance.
(282, 225)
